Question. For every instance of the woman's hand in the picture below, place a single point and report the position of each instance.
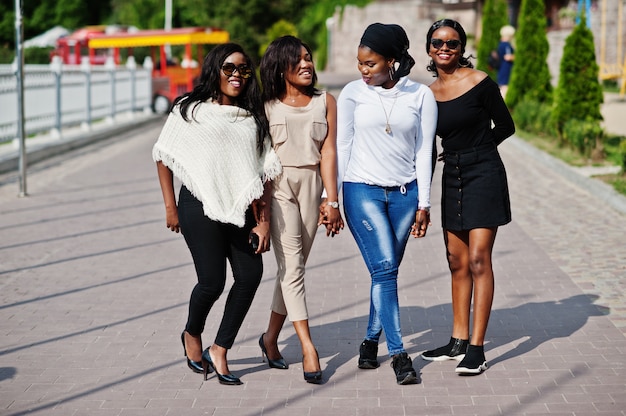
(261, 212)
(166, 180)
(171, 219)
(262, 230)
(331, 218)
(422, 221)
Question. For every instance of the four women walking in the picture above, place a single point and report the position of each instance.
(256, 167)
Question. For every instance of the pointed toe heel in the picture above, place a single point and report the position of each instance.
(195, 366)
(279, 363)
(226, 379)
(313, 377)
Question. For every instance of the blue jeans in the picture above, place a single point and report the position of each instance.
(380, 219)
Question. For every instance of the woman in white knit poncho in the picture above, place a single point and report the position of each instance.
(216, 142)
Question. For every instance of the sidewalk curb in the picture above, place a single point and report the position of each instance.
(605, 193)
(36, 152)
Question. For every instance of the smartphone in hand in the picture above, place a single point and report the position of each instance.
(254, 241)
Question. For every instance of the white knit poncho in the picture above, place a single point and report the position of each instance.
(215, 156)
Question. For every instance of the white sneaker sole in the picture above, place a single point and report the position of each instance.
(472, 371)
(444, 358)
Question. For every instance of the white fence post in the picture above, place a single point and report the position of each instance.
(56, 66)
(110, 66)
(85, 66)
(132, 67)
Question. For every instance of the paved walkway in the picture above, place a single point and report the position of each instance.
(94, 291)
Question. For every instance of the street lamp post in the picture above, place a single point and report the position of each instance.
(168, 25)
(19, 74)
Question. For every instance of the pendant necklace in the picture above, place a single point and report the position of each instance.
(387, 116)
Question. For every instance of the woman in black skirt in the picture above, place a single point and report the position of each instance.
(475, 196)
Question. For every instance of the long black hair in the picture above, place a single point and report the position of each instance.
(208, 88)
(280, 57)
(463, 61)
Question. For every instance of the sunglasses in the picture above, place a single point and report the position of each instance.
(229, 69)
(452, 43)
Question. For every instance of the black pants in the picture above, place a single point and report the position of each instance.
(211, 243)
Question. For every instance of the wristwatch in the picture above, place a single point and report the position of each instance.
(333, 204)
(427, 209)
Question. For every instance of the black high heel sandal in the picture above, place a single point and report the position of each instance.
(227, 379)
(313, 377)
(195, 366)
(280, 363)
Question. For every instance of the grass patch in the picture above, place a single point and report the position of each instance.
(565, 153)
(574, 158)
(617, 181)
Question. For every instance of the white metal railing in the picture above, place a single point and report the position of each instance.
(60, 96)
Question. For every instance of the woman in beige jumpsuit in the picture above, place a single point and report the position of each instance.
(303, 128)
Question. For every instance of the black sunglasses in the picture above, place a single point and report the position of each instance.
(244, 70)
(452, 43)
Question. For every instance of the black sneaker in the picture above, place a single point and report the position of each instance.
(368, 352)
(474, 362)
(403, 367)
(455, 350)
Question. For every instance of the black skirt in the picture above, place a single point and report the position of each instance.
(475, 191)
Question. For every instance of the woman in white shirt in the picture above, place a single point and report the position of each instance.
(385, 134)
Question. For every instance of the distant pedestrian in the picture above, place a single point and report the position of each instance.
(475, 196)
(303, 125)
(506, 55)
(385, 135)
(216, 141)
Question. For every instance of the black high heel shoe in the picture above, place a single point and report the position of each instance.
(313, 377)
(195, 366)
(280, 363)
(227, 379)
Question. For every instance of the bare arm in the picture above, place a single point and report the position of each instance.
(329, 216)
(262, 214)
(166, 179)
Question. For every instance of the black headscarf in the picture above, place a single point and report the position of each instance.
(390, 41)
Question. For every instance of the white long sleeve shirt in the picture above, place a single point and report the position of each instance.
(368, 154)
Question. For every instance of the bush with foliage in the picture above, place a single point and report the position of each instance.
(312, 25)
(39, 56)
(622, 150)
(582, 135)
(278, 29)
(534, 117)
(578, 96)
(493, 18)
(530, 76)
(6, 55)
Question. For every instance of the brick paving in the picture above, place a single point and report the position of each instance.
(94, 291)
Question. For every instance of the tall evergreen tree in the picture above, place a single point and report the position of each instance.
(578, 94)
(494, 17)
(530, 76)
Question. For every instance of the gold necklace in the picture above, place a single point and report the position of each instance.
(387, 116)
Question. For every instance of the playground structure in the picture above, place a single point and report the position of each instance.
(169, 78)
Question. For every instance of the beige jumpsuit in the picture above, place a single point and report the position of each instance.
(297, 135)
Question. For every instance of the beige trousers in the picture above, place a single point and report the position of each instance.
(295, 211)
